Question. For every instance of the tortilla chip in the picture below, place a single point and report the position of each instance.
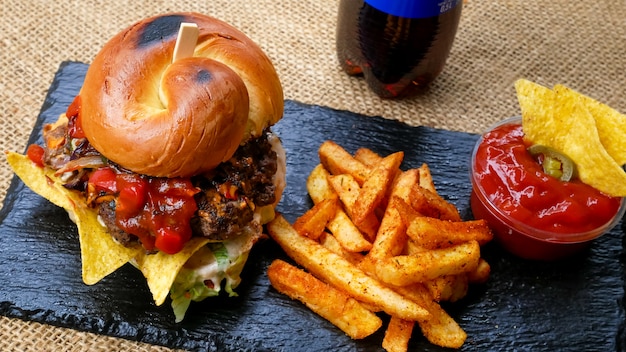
(160, 269)
(537, 105)
(610, 123)
(100, 254)
(563, 120)
(578, 138)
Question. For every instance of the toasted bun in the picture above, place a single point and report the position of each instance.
(160, 118)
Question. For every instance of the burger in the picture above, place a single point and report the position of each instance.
(170, 165)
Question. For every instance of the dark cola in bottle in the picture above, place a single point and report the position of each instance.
(399, 46)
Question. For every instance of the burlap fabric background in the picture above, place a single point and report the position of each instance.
(581, 44)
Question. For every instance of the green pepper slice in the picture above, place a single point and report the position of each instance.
(554, 163)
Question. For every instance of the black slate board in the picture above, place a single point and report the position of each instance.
(572, 305)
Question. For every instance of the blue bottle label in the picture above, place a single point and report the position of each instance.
(413, 8)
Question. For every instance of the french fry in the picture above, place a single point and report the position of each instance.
(329, 241)
(448, 288)
(458, 288)
(404, 183)
(346, 186)
(337, 271)
(340, 225)
(438, 287)
(312, 223)
(391, 238)
(335, 306)
(429, 203)
(348, 234)
(338, 161)
(426, 178)
(405, 270)
(406, 211)
(412, 248)
(372, 159)
(397, 335)
(375, 187)
(317, 185)
(481, 274)
(434, 233)
(368, 157)
(384, 239)
(440, 328)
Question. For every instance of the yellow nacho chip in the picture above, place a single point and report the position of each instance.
(560, 119)
(610, 123)
(100, 254)
(160, 269)
(579, 139)
(537, 105)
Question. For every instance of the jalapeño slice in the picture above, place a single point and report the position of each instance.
(554, 163)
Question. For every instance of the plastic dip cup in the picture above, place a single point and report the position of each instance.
(522, 239)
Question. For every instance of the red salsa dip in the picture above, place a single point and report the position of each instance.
(534, 215)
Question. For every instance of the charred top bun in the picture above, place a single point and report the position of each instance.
(180, 119)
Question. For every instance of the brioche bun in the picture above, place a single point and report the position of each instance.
(159, 118)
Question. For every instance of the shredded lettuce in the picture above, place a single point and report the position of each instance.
(214, 266)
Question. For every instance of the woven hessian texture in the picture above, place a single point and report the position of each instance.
(581, 44)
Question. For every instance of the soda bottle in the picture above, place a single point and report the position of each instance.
(399, 46)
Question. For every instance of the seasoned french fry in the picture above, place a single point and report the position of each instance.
(449, 288)
(329, 241)
(481, 274)
(338, 161)
(408, 269)
(368, 157)
(375, 187)
(346, 232)
(458, 288)
(337, 271)
(404, 183)
(384, 239)
(440, 329)
(346, 186)
(317, 185)
(412, 248)
(397, 335)
(391, 238)
(312, 223)
(426, 178)
(406, 211)
(335, 306)
(439, 287)
(434, 233)
(429, 203)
